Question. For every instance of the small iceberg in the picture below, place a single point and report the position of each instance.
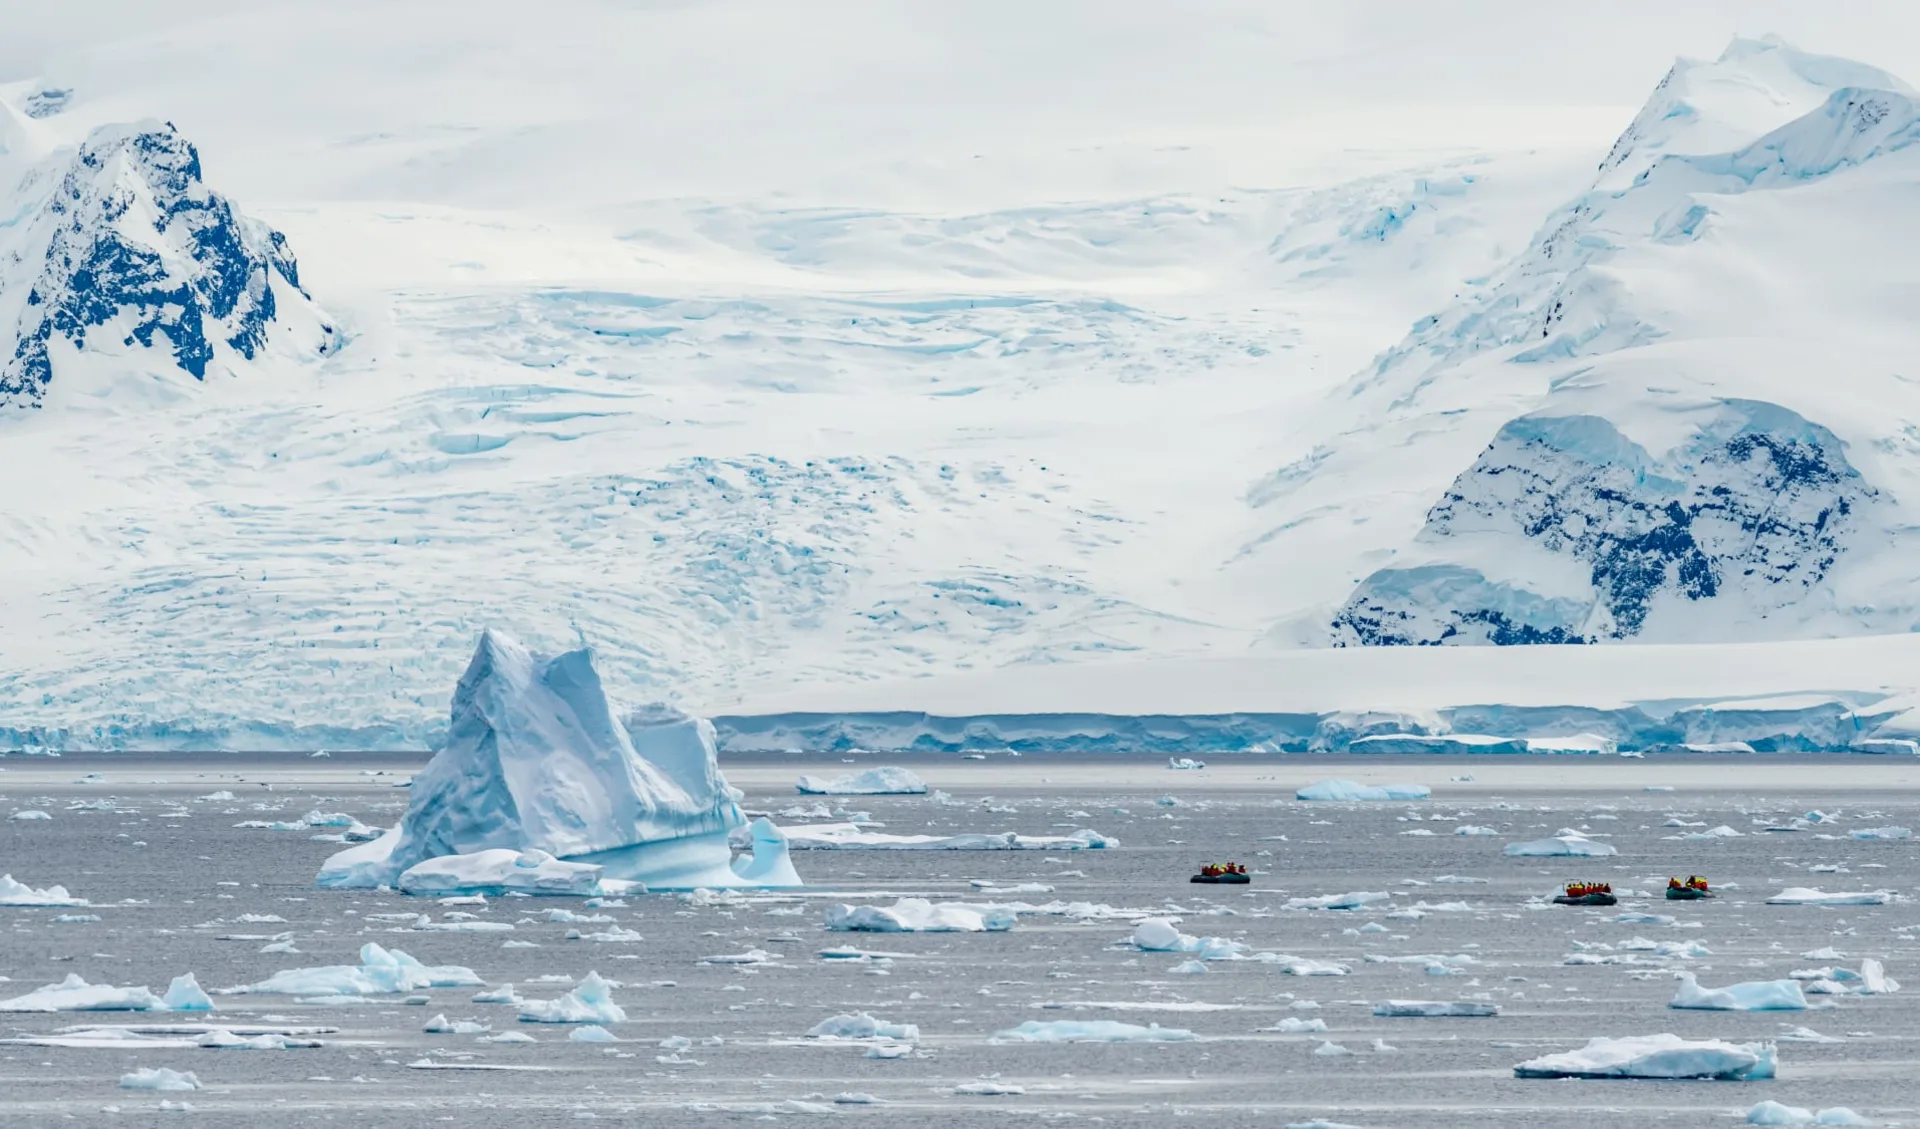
(538, 759)
(14, 893)
(1774, 1113)
(161, 1079)
(1185, 764)
(1754, 995)
(1881, 833)
(591, 1001)
(1871, 980)
(918, 915)
(1567, 844)
(75, 994)
(1092, 1031)
(860, 1025)
(1355, 900)
(1347, 790)
(887, 781)
(1803, 896)
(1435, 1009)
(380, 972)
(1656, 1056)
(855, 837)
(1158, 935)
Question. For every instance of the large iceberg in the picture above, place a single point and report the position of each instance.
(537, 760)
(1656, 1056)
(873, 782)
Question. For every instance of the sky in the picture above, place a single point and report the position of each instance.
(580, 104)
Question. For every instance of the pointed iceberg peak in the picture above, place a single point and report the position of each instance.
(539, 759)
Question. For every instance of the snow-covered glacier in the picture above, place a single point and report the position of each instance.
(1707, 431)
(118, 249)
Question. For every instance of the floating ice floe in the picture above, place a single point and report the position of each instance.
(1656, 1056)
(1347, 790)
(1435, 1009)
(75, 994)
(1294, 1025)
(853, 836)
(29, 815)
(220, 1039)
(767, 864)
(1754, 995)
(1871, 980)
(1774, 1113)
(1338, 901)
(1159, 935)
(591, 1033)
(1474, 830)
(1092, 1031)
(380, 972)
(173, 1037)
(14, 893)
(1567, 844)
(888, 781)
(860, 1025)
(1803, 896)
(500, 871)
(918, 915)
(1185, 764)
(590, 1001)
(536, 758)
(1881, 833)
(161, 1079)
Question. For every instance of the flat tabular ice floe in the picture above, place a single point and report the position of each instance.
(853, 837)
(862, 1026)
(1350, 791)
(537, 760)
(502, 870)
(75, 994)
(1656, 1056)
(1355, 900)
(1755, 995)
(160, 1079)
(1564, 845)
(1803, 896)
(1092, 1031)
(1435, 1009)
(1774, 1113)
(917, 915)
(887, 781)
(14, 893)
(380, 972)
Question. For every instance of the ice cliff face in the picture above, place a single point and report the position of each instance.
(129, 252)
(1678, 471)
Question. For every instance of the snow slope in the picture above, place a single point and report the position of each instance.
(855, 405)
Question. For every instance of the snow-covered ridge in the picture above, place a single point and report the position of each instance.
(127, 248)
(1673, 472)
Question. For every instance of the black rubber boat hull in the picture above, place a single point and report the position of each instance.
(1222, 879)
(1587, 900)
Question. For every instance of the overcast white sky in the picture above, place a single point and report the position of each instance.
(462, 97)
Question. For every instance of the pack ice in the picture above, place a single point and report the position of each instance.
(542, 787)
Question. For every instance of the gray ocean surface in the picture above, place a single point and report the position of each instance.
(172, 881)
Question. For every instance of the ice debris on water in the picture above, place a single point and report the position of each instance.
(1356, 900)
(13, 893)
(592, 1033)
(75, 994)
(1347, 790)
(1774, 1113)
(1567, 844)
(1755, 995)
(1804, 896)
(160, 1078)
(1435, 1009)
(861, 1025)
(918, 915)
(1092, 1031)
(853, 836)
(591, 1001)
(1656, 1056)
(888, 781)
(380, 972)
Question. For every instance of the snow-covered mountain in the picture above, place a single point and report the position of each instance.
(1684, 413)
(120, 253)
(762, 419)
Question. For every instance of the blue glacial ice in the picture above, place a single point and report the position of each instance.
(75, 994)
(872, 782)
(1348, 790)
(1753, 995)
(537, 760)
(1092, 1031)
(590, 1001)
(1656, 1056)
